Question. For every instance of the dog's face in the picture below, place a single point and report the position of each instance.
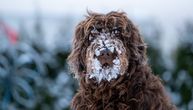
(104, 46)
(106, 55)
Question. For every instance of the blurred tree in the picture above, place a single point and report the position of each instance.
(178, 81)
(183, 73)
(32, 77)
(20, 73)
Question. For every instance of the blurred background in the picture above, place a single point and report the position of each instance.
(36, 37)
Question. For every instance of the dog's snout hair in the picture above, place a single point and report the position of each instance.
(106, 57)
(104, 61)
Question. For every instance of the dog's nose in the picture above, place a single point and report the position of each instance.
(106, 57)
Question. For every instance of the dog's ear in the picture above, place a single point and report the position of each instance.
(135, 44)
(75, 59)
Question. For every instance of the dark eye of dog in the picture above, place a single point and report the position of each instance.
(116, 30)
(99, 29)
(93, 31)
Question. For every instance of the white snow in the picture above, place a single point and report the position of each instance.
(105, 41)
(116, 61)
(111, 49)
(97, 52)
(105, 74)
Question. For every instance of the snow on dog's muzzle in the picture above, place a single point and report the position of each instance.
(106, 62)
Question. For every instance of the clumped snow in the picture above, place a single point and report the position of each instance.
(105, 74)
(105, 41)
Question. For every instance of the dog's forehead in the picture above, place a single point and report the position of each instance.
(105, 21)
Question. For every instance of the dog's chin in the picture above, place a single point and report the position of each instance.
(104, 72)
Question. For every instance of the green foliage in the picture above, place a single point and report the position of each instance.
(178, 80)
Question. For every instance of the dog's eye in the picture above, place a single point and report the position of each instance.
(99, 29)
(116, 30)
(93, 30)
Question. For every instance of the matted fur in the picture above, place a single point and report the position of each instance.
(136, 89)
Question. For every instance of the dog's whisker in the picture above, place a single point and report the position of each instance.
(139, 45)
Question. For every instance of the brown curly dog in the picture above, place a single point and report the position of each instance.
(109, 59)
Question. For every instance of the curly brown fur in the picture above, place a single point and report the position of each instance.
(135, 89)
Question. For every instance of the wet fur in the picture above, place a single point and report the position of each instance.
(136, 89)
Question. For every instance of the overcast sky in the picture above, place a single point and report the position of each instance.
(169, 10)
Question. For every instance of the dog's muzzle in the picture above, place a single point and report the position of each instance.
(106, 57)
(105, 62)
